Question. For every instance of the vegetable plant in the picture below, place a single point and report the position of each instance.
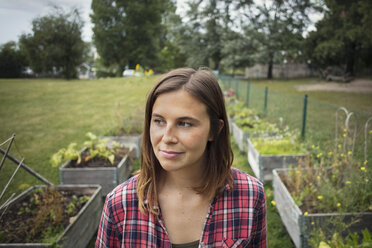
(96, 148)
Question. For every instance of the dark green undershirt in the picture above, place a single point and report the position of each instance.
(194, 244)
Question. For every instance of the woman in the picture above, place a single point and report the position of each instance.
(186, 193)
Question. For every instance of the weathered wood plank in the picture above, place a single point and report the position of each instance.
(263, 165)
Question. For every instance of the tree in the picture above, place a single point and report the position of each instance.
(278, 26)
(343, 37)
(238, 50)
(128, 32)
(55, 46)
(12, 61)
(203, 33)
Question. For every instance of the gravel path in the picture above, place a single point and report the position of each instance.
(356, 86)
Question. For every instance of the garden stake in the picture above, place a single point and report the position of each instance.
(28, 169)
(11, 179)
(347, 130)
(265, 104)
(336, 129)
(304, 118)
(7, 150)
(247, 99)
(5, 204)
(365, 138)
(237, 89)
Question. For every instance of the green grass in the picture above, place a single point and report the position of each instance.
(48, 114)
(351, 101)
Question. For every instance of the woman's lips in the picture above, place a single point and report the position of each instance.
(170, 154)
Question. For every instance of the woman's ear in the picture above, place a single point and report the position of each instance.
(221, 123)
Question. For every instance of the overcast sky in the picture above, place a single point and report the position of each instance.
(16, 16)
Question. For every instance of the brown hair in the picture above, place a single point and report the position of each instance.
(217, 172)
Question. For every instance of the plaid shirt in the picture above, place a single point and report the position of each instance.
(237, 218)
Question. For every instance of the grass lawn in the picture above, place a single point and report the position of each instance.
(352, 101)
(48, 114)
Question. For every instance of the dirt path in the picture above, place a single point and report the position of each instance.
(356, 86)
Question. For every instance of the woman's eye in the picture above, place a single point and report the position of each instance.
(185, 124)
(158, 121)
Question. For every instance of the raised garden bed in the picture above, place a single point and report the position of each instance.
(23, 217)
(240, 137)
(299, 225)
(263, 164)
(97, 172)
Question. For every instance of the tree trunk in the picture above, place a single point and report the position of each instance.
(350, 59)
(270, 67)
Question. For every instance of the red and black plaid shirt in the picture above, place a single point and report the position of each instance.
(237, 218)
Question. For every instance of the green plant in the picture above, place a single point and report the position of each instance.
(285, 145)
(96, 148)
(69, 153)
(331, 182)
(320, 239)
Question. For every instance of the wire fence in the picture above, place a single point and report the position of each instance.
(314, 120)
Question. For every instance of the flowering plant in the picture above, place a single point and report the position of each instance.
(331, 182)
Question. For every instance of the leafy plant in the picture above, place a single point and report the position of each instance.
(69, 153)
(96, 148)
(285, 145)
(321, 240)
(248, 120)
(331, 182)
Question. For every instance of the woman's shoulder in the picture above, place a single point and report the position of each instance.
(244, 181)
(124, 192)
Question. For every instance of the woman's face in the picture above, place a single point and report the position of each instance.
(179, 131)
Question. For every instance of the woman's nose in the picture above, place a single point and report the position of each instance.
(169, 135)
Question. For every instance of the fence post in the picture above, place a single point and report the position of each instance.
(304, 113)
(265, 105)
(247, 99)
(237, 89)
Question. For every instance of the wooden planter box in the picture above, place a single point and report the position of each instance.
(240, 137)
(298, 225)
(231, 121)
(130, 141)
(81, 230)
(107, 177)
(263, 165)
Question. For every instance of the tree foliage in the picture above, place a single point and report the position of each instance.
(128, 32)
(12, 61)
(278, 27)
(343, 37)
(55, 44)
(201, 37)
